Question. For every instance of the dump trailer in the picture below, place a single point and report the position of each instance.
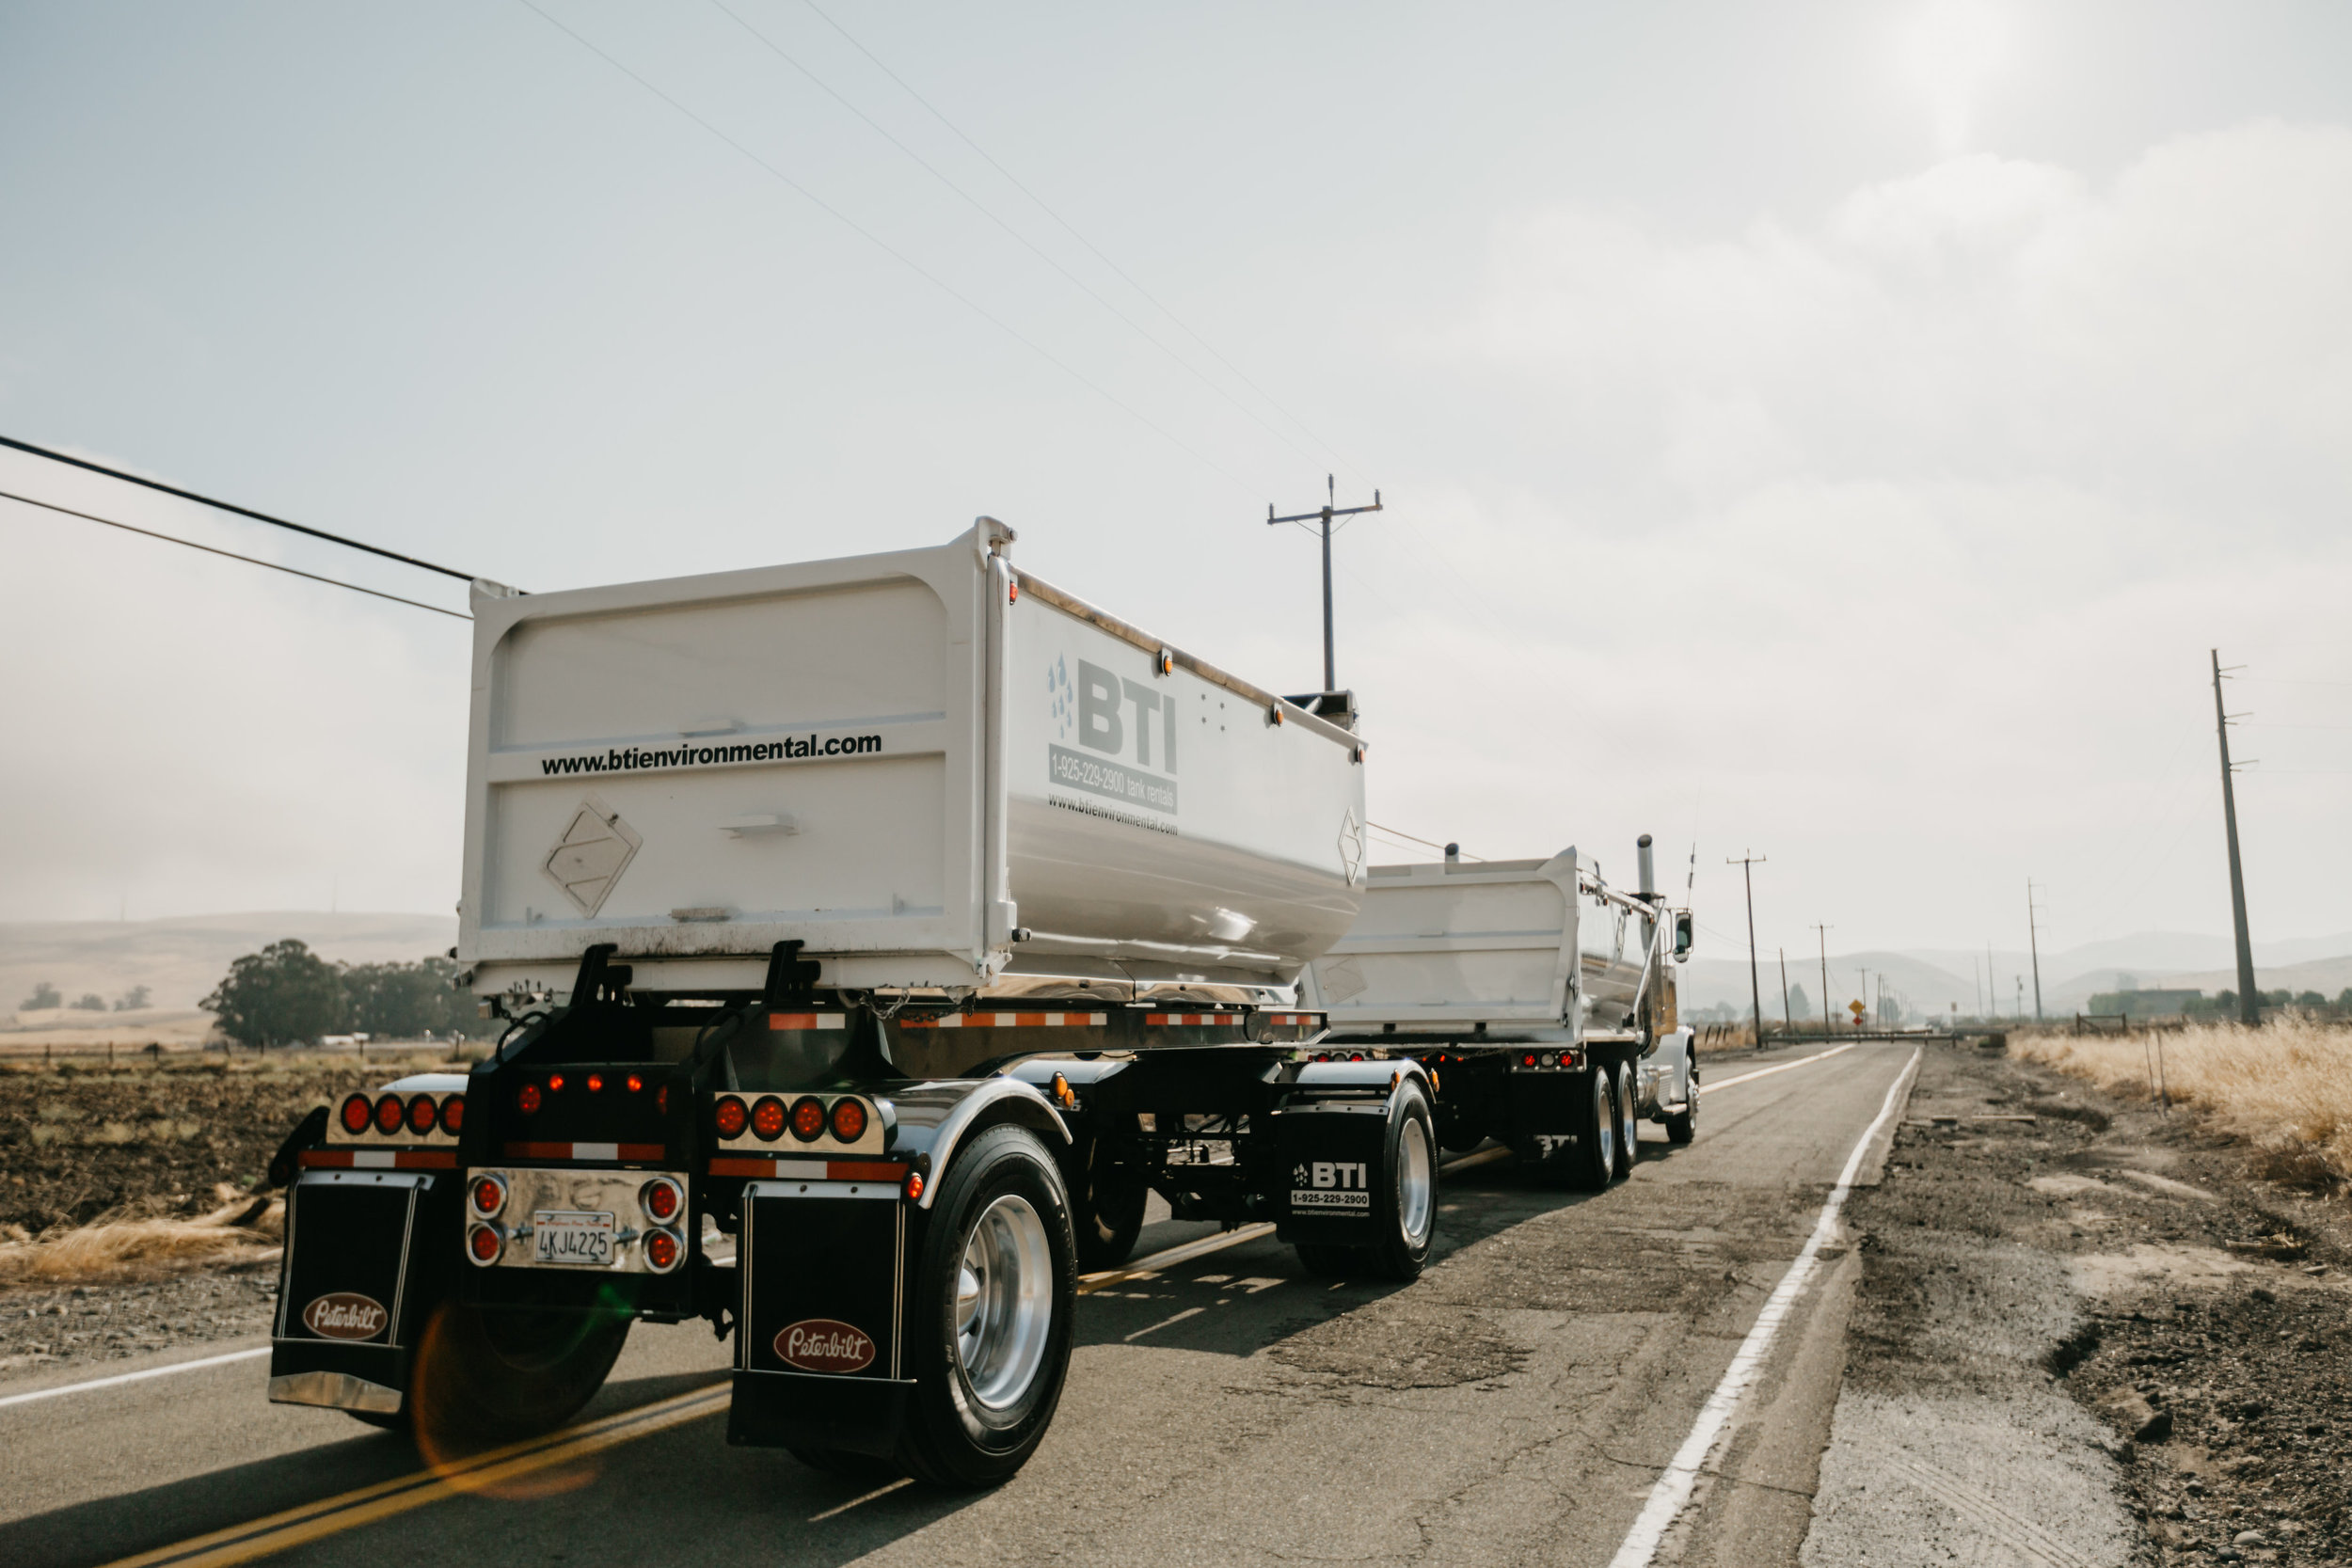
(1540, 1000)
(875, 935)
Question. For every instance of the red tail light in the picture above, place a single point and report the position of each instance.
(661, 1249)
(1528, 1060)
(914, 1188)
(454, 1113)
(595, 1082)
(358, 1113)
(662, 1099)
(849, 1119)
(767, 1117)
(488, 1196)
(808, 1119)
(1355, 1055)
(636, 1083)
(527, 1098)
(730, 1116)
(485, 1243)
(661, 1200)
(555, 1083)
(424, 1116)
(389, 1114)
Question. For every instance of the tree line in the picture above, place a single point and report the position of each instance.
(286, 994)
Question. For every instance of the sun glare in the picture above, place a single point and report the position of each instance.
(1954, 48)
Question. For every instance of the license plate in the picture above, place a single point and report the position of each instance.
(570, 1236)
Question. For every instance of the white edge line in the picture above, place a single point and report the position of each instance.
(1781, 1066)
(135, 1377)
(1672, 1495)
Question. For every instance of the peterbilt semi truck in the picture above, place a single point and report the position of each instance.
(1539, 998)
(874, 936)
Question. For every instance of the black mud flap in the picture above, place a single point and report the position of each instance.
(1331, 1152)
(1540, 1114)
(359, 1279)
(819, 1345)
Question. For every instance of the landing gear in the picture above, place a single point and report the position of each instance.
(990, 1312)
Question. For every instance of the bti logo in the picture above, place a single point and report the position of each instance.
(1108, 709)
(1342, 1175)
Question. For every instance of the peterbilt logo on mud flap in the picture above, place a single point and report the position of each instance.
(1331, 1184)
(345, 1315)
(825, 1345)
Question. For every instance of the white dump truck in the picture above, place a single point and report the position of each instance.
(1540, 1000)
(875, 934)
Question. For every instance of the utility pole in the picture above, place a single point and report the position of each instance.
(2249, 1000)
(1992, 987)
(1324, 515)
(2033, 940)
(1756, 988)
(1785, 1021)
(1823, 932)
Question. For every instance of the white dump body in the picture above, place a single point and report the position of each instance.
(1440, 948)
(925, 767)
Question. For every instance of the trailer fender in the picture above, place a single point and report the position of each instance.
(359, 1279)
(971, 1108)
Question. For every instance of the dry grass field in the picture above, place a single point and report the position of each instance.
(2286, 1087)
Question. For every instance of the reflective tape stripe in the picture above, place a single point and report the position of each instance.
(1187, 1018)
(809, 1170)
(1300, 1020)
(808, 1020)
(378, 1159)
(1008, 1020)
(629, 1153)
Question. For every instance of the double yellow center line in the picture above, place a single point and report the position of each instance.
(475, 1473)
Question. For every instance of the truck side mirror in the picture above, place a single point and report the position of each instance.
(1682, 935)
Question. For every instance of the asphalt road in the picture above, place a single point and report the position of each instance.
(1515, 1405)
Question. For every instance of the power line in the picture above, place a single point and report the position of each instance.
(250, 561)
(1093, 248)
(892, 251)
(240, 511)
(1424, 843)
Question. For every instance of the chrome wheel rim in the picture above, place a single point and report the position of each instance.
(1416, 1180)
(1004, 1302)
(1605, 1114)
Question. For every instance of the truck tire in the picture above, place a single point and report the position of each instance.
(1409, 1183)
(1629, 1120)
(1107, 1212)
(488, 1374)
(1683, 1125)
(993, 1299)
(1593, 1163)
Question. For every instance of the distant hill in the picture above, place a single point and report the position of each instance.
(179, 961)
(1934, 980)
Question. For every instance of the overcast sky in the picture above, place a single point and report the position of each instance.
(1837, 430)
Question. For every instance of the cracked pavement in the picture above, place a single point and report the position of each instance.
(1514, 1405)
